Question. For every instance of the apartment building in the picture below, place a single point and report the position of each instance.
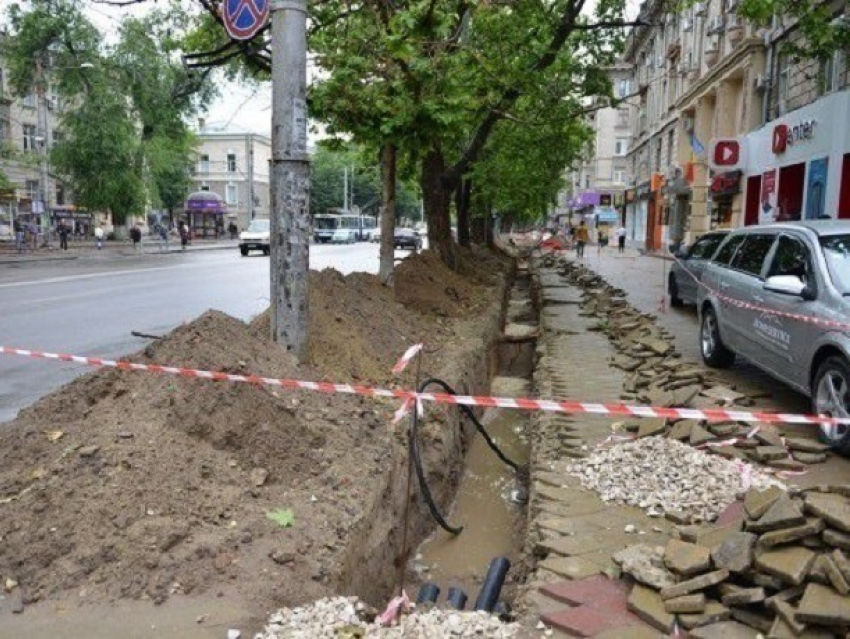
(596, 188)
(705, 76)
(29, 125)
(235, 164)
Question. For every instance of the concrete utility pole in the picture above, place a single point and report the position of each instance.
(290, 176)
(44, 133)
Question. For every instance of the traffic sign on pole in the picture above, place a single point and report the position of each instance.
(243, 19)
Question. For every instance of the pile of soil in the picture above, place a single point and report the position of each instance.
(126, 484)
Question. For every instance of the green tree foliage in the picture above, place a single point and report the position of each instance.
(126, 144)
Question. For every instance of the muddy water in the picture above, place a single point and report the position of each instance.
(484, 506)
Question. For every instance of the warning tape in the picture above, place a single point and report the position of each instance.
(404, 360)
(520, 403)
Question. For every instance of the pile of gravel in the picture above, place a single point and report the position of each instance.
(342, 617)
(668, 478)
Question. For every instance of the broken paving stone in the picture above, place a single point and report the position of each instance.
(805, 445)
(724, 630)
(713, 613)
(837, 539)
(686, 559)
(785, 512)
(790, 564)
(722, 393)
(809, 458)
(697, 583)
(787, 464)
(687, 604)
(700, 435)
(817, 571)
(743, 596)
(781, 629)
(788, 614)
(822, 605)
(833, 509)
(681, 430)
(813, 526)
(651, 427)
(769, 436)
(770, 453)
(570, 567)
(648, 606)
(735, 553)
(842, 562)
(646, 565)
(752, 618)
(835, 576)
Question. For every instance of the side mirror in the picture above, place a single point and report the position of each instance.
(787, 285)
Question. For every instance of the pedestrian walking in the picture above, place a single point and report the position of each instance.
(19, 234)
(63, 232)
(232, 229)
(136, 236)
(98, 236)
(621, 239)
(184, 235)
(581, 236)
(32, 229)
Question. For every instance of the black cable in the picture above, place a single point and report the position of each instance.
(417, 458)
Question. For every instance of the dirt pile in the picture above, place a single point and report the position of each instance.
(137, 485)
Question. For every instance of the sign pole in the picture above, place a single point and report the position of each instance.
(290, 176)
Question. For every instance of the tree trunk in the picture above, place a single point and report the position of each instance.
(436, 194)
(388, 184)
(462, 195)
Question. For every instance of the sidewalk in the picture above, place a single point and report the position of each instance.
(77, 250)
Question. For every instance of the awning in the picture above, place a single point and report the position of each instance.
(606, 214)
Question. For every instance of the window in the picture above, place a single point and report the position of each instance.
(29, 100)
(619, 177)
(705, 246)
(622, 89)
(727, 251)
(587, 181)
(205, 187)
(750, 258)
(32, 189)
(621, 146)
(29, 137)
(58, 136)
(231, 163)
(830, 73)
(791, 258)
(60, 194)
(204, 164)
(231, 194)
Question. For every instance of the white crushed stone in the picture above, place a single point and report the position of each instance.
(663, 475)
(337, 617)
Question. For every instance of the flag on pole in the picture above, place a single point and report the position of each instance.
(696, 145)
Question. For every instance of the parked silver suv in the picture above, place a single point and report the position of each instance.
(759, 278)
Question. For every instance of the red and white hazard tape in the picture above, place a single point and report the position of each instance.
(404, 360)
(544, 405)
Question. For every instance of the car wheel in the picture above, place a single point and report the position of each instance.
(714, 352)
(673, 290)
(831, 397)
(243, 250)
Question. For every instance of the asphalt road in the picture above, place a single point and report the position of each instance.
(89, 305)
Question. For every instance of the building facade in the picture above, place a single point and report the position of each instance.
(707, 77)
(235, 164)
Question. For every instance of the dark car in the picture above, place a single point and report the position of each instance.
(407, 239)
(688, 267)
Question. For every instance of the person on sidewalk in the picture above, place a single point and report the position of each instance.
(582, 236)
(19, 234)
(184, 235)
(32, 229)
(63, 232)
(136, 236)
(163, 235)
(98, 237)
(621, 239)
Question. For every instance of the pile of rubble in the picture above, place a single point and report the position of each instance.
(781, 568)
(668, 478)
(657, 376)
(349, 618)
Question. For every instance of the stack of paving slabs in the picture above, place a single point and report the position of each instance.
(656, 376)
(782, 569)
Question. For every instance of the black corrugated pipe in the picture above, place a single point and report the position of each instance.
(492, 586)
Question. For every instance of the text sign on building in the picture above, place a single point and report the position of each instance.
(727, 154)
(785, 135)
(243, 19)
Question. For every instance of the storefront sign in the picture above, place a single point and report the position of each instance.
(630, 196)
(726, 183)
(785, 135)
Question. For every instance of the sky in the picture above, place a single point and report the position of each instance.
(243, 106)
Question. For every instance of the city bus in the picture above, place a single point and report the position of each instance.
(343, 228)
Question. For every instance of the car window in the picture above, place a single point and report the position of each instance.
(750, 257)
(704, 247)
(727, 251)
(792, 257)
(836, 250)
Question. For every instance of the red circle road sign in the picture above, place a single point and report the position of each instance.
(727, 153)
(243, 19)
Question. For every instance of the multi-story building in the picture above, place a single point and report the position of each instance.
(707, 76)
(596, 188)
(29, 125)
(235, 164)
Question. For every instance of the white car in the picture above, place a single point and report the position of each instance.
(343, 236)
(375, 236)
(256, 237)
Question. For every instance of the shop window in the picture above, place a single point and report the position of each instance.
(790, 200)
(751, 210)
(750, 258)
